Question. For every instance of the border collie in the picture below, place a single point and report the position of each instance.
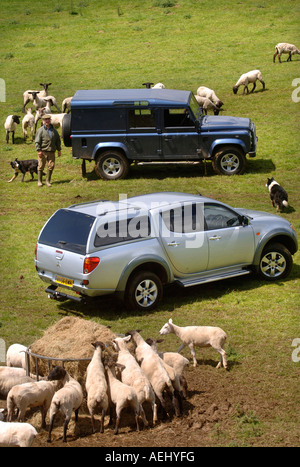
(29, 165)
(278, 195)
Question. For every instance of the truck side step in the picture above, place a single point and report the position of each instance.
(216, 277)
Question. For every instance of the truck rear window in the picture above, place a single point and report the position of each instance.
(68, 230)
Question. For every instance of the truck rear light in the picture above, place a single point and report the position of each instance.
(90, 264)
(35, 251)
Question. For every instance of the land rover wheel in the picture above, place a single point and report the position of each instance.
(144, 291)
(275, 263)
(229, 161)
(112, 165)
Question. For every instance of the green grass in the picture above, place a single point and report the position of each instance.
(92, 44)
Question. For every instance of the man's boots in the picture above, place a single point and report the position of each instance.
(40, 177)
(48, 177)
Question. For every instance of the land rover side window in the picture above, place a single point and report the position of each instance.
(220, 217)
(68, 230)
(184, 219)
(141, 118)
(98, 119)
(174, 118)
(117, 231)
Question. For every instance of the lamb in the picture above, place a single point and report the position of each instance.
(56, 119)
(66, 104)
(201, 336)
(121, 394)
(17, 434)
(39, 102)
(10, 126)
(247, 78)
(27, 95)
(15, 356)
(134, 376)
(207, 104)
(28, 122)
(36, 394)
(65, 400)
(285, 48)
(210, 94)
(155, 371)
(96, 385)
(9, 377)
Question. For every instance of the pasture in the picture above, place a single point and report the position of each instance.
(119, 44)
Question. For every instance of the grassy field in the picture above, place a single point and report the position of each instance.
(92, 44)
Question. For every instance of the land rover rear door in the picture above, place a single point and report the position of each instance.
(143, 138)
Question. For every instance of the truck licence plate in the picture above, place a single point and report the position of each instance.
(64, 281)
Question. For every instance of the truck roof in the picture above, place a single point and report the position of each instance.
(134, 97)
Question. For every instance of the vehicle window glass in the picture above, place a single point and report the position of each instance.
(68, 230)
(220, 217)
(180, 117)
(99, 119)
(184, 219)
(109, 233)
(141, 118)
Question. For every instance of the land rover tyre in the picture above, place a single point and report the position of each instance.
(144, 291)
(275, 263)
(112, 165)
(230, 160)
(66, 130)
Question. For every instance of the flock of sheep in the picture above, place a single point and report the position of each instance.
(206, 98)
(127, 378)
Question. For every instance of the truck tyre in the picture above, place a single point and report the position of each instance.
(144, 291)
(275, 263)
(66, 130)
(112, 165)
(229, 161)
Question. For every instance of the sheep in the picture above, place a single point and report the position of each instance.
(10, 126)
(27, 95)
(285, 48)
(134, 376)
(121, 394)
(15, 356)
(155, 371)
(158, 86)
(36, 394)
(9, 377)
(207, 104)
(39, 102)
(246, 78)
(65, 400)
(66, 104)
(96, 385)
(203, 91)
(28, 122)
(17, 434)
(201, 336)
(56, 119)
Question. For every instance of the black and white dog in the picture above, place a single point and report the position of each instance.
(278, 195)
(29, 165)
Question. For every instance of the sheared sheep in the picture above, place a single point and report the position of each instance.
(247, 78)
(28, 96)
(10, 126)
(210, 94)
(9, 377)
(285, 48)
(15, 356)
(39, 102)
(17, 434)
(66, 104)
(28, 122)
(207, 104)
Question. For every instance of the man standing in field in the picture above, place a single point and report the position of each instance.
(47, 141)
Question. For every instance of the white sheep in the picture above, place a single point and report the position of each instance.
(285, 48)
(66, 104)
(9, 377)
(134, 376)
(56, 119)
(96, 385)
(65, 400)
(158, 86)
(207, 104)
(28, 395)
(17, 434)
(27, 95)
(247, 78)
(121, 394)
(200, 336)
(153, 367)
(203, 91)
(39, 102)
(28, 122)
(10, 126)
(15, 356)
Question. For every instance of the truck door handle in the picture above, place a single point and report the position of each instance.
(215, 237)
(173, 244)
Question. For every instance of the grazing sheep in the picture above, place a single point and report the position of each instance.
(17, 434)
(96, 385)
(28, 122)
(15, 356)
(36, 394)
(65, 400)
(28, 96)
(200, 336)
(210, 94)
(9, 377)
(158, 86)
(66, 104)
(285, 48)
(39, 102)
(10, 126)
(121, 394)
(207, 104)
(153, 367)
(134, 376)
(247, 78)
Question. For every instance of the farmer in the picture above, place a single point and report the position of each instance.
(47, 141)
